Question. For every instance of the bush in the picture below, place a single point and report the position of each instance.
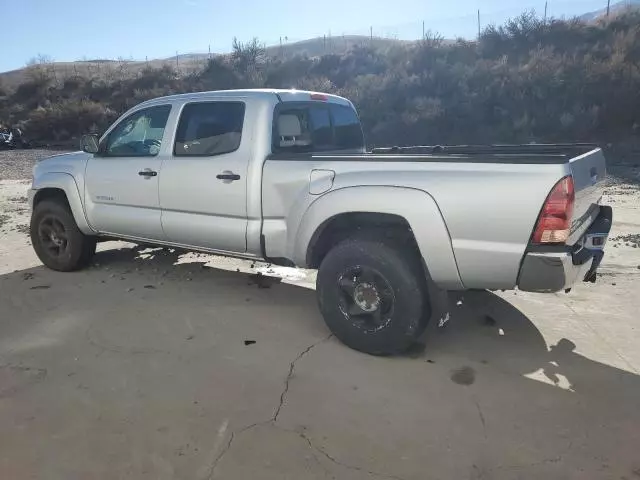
(527, 80)
(67, 119)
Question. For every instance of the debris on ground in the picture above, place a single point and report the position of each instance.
(630, 240)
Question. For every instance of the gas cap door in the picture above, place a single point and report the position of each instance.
(321, 181)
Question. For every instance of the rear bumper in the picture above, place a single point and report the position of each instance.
(552, 271)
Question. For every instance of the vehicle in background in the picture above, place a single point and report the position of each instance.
(283, 176)
(12, 138)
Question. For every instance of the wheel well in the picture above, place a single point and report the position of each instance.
(345, 225)
(55, 194)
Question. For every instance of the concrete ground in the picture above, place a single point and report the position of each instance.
(156, 365)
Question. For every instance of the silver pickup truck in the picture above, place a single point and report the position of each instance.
(283, 176)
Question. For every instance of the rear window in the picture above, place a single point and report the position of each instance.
(209, 128)
(313, 127)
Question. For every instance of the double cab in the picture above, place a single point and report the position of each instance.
(284, 176)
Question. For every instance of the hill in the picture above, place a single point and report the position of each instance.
(312, 47)
(529, 80)
(189, 62)
(615, 8)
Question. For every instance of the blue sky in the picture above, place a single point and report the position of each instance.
(69, 30)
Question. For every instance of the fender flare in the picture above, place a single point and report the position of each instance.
(66, 183)
(417, 207)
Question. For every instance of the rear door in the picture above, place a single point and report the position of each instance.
(203, 189)
(121, 181)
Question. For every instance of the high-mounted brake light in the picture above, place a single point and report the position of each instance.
(318, 96)
(554, 223)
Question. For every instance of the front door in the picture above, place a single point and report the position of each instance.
(203, 187)
(121, 182)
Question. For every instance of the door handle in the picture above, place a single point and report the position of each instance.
(228, 176)
(148, 173)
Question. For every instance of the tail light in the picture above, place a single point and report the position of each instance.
(554, 223)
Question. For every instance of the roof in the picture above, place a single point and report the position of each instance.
(284, 94)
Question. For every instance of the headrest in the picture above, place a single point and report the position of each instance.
(289, 126)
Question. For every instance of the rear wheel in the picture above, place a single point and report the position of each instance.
(58, 242)
(373, 295)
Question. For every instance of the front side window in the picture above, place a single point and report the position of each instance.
(209, 128)
(140, 134)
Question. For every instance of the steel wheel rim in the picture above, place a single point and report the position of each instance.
(53, 236)
(365, 298)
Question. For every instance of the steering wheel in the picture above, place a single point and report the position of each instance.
(152, 141)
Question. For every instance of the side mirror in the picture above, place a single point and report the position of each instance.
(89, 143)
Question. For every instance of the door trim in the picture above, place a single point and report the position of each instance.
(224, 253)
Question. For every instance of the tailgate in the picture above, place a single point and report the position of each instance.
(589, 173)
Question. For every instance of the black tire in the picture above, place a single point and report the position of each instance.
(399, 295)
(55, 237)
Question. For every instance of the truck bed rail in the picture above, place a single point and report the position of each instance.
(565, 149)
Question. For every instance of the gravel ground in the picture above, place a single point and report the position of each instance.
(17, 164)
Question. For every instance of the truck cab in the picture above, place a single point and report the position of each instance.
(181, 170)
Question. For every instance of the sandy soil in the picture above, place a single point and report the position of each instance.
(159, 365)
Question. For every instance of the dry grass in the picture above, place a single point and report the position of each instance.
(187, 63)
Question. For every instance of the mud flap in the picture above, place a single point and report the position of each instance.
(440, 307)
(591, 275)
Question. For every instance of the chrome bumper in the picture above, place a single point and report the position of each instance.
(552, 271)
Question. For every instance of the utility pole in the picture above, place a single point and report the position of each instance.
(177, 66)
(479, 25)
(371, 34)
(608, 7)
(546, 5)
(324, 43)
(209, 51)
(423, 29)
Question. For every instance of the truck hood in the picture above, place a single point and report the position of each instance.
(71, 163)
(64, 156)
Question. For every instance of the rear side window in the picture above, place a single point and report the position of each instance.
(313, 127)
(321, 132)
(209, 128)
(348, 132)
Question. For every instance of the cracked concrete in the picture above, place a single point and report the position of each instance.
(292, 367)
(482, 420)
(208, 376)
(272, 423)
(274, 417)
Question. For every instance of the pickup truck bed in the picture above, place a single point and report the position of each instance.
(469, 244)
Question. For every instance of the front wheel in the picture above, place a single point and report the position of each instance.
(58, 242)
(373, 295)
